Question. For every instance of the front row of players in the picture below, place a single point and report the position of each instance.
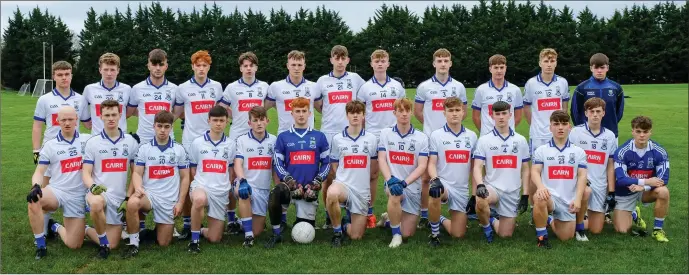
(572, 176)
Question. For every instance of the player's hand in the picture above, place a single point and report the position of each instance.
(177, 210)
(139, 192)
(396, 189)
(97, 189)
(436, 189)
(123, 206)
(574, 206)
(482, 191)
(392, 180)
(298, 192)
(182, 123)
(244, 189)
(471, 206)
(136, 137)
(36, 154)
(523, 204)
(636, 188)
(542, 194)
(654, 182)
(290, 182)
(310, 195)
(35, 194)
(610, 200)
(317, 183)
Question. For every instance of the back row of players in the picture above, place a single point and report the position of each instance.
(301, 156)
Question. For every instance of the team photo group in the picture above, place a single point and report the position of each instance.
(572, 174)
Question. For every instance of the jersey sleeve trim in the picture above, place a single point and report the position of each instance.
(86, 161)
(433, 153)
(537, 162)
(479, 157)
(334, 159)
(518, 107)
(423, 154)
(222, 100)
(419, 101)
(45, 162)
(270, 98)
(526, 160)
(132, 105)
(140, 164)
(475, 107)
(527, 102)
(37, 118)
(381, 149)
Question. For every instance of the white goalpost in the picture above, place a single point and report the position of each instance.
(25, 88)
(42, 86)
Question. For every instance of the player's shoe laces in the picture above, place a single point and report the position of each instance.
(639, 221)
(423, 223)
(337, 240)
(327, 225)
(383, 219)
(103, 251)
(396, 241)
(581, 236)
(275, 239)
(51, 235)
(130, 251)
(185, 234)
(433, 241)
(41, 253)
(371, 221)
(659, 235)
(233, 228)
(248, 242)
(194, 248)
(543, 242)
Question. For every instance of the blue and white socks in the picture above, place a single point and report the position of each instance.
(396, 230)
(195, 236)
(247, 224)
(658, 223)
(231, 217)
(186, 222)
(424, 213)
(40, 240)
(103, 239)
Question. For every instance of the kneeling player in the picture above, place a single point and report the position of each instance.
(402, 159)
(642, 170)
(65, 189)
(350, 153)
(253, 167)
(559, 175)
(449, 167)
(161, 182)
(505, 154)
(210, 157)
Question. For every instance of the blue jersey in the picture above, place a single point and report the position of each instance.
(303, 154)
(609, 91)
(633, 164)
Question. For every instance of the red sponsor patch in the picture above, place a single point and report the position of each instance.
(98, 109)
(382, 105)
(245, 105)
(114, 165)
(160, 172)
(457, 156)
(260, 163)
(214, 166)
(438, 104)
(54, 119)
(355, 161)
(201, 106)
(339, 97)
(288, 105)
(402, 158)
(302, 157)
(70, 165)
(548, 104)
(153, 108)
(505, 161)
(595, 157)
(640, 174)
(560, 172)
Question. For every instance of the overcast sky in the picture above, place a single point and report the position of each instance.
(354, 13)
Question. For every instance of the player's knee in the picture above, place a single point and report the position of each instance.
(662, 193)
(96, 206)
(505, 234)
(164, 240)
(540, 203)
(133, 205)
(74, 243)
(35, 207)
(566, 236)
(198, 202)
(356, 235)
(214, 238)
(595, 229)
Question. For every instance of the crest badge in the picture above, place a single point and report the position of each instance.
(571, 158)
(349, 84)
(604, 146)
(611, 93)
(412, 147)
(308, 93)
(509, 97)
(392, 92)
(365, 151)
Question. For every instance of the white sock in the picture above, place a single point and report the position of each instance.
(134, 239)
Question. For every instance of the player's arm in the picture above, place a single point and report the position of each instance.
(419, 99)
(418, 111)
(87, 166)
(225, 100)
(184, 183)
(37, 177)
(269, 101)
(383, 164)
(477, 171)
(318, 105)
(420, 169)
(565, 95)
(526, 174)
(178, 110)
(528, 100)
(324, 148)
(433, 165)
(581, 181)
(84, 111)
(622, 179)
(463, 97)
(239, 167)
(137, 180)
(610, 172)
(619, 104)
(36, 134)
(334, 155)
(518, 108)
(577, 107)
(279, 163)
(476, 109)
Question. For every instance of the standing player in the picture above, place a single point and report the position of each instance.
(107, 89)
(600, 145)
(282, 93)
(253, 166)
(449, 167)
(65, 189)
(210, 158)
(244, 94)
(195, 98)
(642, 171)
(379, 94)
(559, 175)
(302, 163)
(599, 86)
(161, 182)
(356, 151)
(496, 89)
(151, 96)
(505, 154)
(429, 109)
(104, 173)
(403, 158)
(337, 88)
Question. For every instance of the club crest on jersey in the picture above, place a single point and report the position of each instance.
(604, 146)
(125, 150)
(454, 91)
(499, 97)
(349, 84)
(561, 159)
(260, 92)
(172, 159)
(611, 93)
(307, 93)
(557, 91)
(120, 98)
(168, 96)
(509, 97)
(270, 150)
(312, 143)
(515, 147)
(571, 158)
(650, 163)
(641, 164)
(412, 147)
(203, 94)
(365, 151)
(467, 144)
(226, 153)
(392, 92)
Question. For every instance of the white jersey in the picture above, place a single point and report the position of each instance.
(487, 94)
(353, 155)
(161, 168)
(94, 94)
(403, 153)
(432, 94)
(337, 92)
(284, 91)
(257, 156)
(560, 168)
(149, 100)
(213, 162)
(64, 159)
(198, 100)
(599, 150)
(110, 160)
(49, 105)
(454, 151)
(544, 99)
(241, 97)
(503, 159)
(379, 99)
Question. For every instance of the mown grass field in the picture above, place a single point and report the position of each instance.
(606, 253)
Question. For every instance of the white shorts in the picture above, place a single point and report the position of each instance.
(457, 198)
(561, 210)
(110, 209)
(628, 203)
(259, 200)
(597, 198)
(306, 210)
(534, 143)
(217, 203)
(357, 203)
(411, 202)
(72, 204)
(162, 209)
(507, 202)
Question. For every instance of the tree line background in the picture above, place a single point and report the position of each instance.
(645, 45)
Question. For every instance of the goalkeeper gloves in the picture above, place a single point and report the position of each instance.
(290, 182)
(244, 189)
(36, 154)
(34, 194)
(482, 191)
(523, 204)
(317, 183)
(97, 189)
(610, 200)
(436, 189)
(123, 205)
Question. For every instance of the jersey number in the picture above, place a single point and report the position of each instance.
(157, 97)
(593, 145)
(383, 95)
(72, 153)
(297, 94)
(260, 152)
(249, 94)
(504, 150)
(401, 146)
(457, 145)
